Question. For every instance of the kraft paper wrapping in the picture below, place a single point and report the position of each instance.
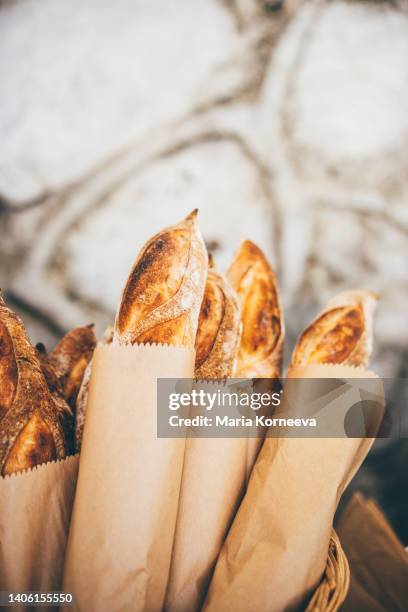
(378, 561)
(35, 511)
(124, 515)
(213, 485)
(255, 440)
(276, 550)
(214, 478)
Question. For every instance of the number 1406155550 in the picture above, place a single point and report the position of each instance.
(36, 598)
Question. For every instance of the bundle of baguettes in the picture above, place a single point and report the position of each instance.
(240, 334)
(152, 515)
(276, 549)
(37, 472)
(123, 523)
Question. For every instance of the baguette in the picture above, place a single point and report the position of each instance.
(341, 334)
(285, 519)
(162, 296)
(70, 359)
(263, 332)
(82, 398)
(33, 429)
(65, 412)
(8, 371)
(218, 328)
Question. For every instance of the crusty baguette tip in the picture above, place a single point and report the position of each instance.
(70, 358)
(341, 334)
(162, 296)
(219, 328)
(261, 347)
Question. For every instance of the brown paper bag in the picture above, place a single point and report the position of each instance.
(125, 508)
(361, 600)
(276, 550)
(378, 561)
(35, 511)
(215, 475)
(212, 487)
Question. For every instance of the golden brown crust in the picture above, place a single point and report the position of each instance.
(48, 370)
(34, 445)
(162, 296)
(8, 371)
(218, 329)
(341, 334)
(70, 359)
(32, 429)
(64, 410)
(261, 347)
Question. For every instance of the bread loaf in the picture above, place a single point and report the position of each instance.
(70, 359)
(64, 410)
(8, 371)
(82, 398)
(261, 346)
(218, 328)
(341, 334)
(32, 428)
(162, 296)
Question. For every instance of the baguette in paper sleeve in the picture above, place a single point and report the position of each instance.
(122, 528)
(276, 550)
(168, 275)
(36, 423)
(263, 328)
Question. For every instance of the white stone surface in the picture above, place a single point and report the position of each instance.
(352, 90)
(298, 142)
(338, 86)
(82, 80)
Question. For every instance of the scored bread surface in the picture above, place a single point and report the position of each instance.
(70, 359)
(33, 429)
(219, 327)
(162, 296)
(341, 334)
(262, 339)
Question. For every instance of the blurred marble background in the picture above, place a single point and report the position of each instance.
(284, 122)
